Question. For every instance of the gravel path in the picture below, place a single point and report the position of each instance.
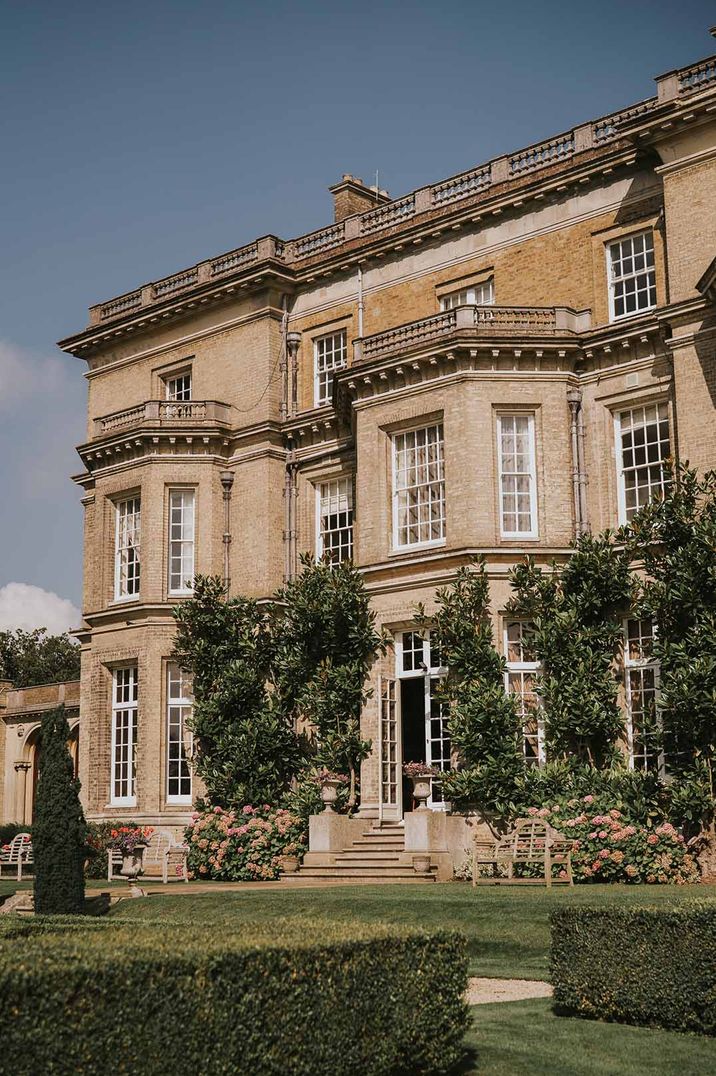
(483, 991)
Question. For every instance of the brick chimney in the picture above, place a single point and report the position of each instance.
(351, 196)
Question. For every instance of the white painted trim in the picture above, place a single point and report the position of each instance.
(533, 532)
(130, 800)
(610, 276)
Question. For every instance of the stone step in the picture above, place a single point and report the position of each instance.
(377, 845)
(368, 857)
(302, 879)
(393, 870)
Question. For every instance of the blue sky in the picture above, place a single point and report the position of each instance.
(139, 138)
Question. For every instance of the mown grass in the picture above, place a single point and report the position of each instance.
(507, 927)
(525, 1038)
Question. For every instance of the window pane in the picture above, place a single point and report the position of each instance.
(127, 548)
(179, 739)
(645, 446)
(632, 278)
(330, 353)
(522, 667)
(419, 486)
(335, 520)
(181, 540)
(641, 680)
(124, 734)
(517, 474)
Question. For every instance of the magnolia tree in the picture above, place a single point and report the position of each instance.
(483, 721)
(246, 749)
(575, 610)
(261, 673)
(676, 540)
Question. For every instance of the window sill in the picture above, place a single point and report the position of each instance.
(400, 551)
(615, 319)
(514, 537)
(121, 803)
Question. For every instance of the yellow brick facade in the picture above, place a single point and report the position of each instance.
(246, 325)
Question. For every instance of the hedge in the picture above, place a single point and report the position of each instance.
(289, 996)
(654, 966)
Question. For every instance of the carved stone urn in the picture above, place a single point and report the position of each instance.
(132, 867)
(421, 790)
(329, 793)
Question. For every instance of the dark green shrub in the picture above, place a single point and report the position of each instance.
(59, 830)
(282, 997)
(11, 829)
(650, 966)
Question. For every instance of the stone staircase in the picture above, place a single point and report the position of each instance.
(376, 856)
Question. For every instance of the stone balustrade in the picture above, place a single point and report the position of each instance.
(561, 149)
(477, 321)
(165, 413)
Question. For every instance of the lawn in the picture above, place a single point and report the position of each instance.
(507, 926)
(525, 1038)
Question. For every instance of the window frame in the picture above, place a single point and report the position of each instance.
(520, 668)
(182, 590)
(131, 708)
(640, 665)
(319, 487)
(618, 450)
(318, 399)
(443, 298)
(533, 533)
(178, 375)
(183, 703)
(396, 545)
(612, 280)
(119, 550)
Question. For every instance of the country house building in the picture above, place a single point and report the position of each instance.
(491, 364)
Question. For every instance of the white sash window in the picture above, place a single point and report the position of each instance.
(124, 736)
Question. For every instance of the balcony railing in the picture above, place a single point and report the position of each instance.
(673, 88)
(509, 322)
(165, 413)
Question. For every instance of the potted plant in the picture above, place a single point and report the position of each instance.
(131, 842)
(421, 775)
(290, 861)
(330, 783)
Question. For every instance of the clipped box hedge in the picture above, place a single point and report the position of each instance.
(652, 966)
(291, 996)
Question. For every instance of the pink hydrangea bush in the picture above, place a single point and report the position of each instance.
(243, 845)
(611, 848)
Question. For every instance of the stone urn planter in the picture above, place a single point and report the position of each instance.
(289, 864)
(329, 793)
(132, 867)
(421, 775)
(421, 864)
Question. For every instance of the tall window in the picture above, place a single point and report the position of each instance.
(128, 528)
(179, 743)
(334, 529)
(518, 476)
(522, 668)
(476, 295)
(124, 736)
(642, 436)
(632, 277)
(178, 387)
(418, 487)
(181, 541)
(330, 353)
(641, 683)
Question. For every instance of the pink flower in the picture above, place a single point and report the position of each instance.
(247, 809)
(602, 834)
(630, 870)
(593, 835)
(562, 874)
(617, 856)
(615, 813)
(604, 854)
(532, 810)
(589, 799)
(596, 865)
(652, 839)
(544, 812)
(218, 810)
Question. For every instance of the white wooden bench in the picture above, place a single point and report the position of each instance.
(161, 850)
(531, 840)
(18, 855)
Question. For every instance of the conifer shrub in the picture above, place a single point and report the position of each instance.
(59, 831)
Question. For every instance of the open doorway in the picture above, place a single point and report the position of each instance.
(424, 734)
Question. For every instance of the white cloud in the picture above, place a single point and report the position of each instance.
(23, 372)
(28, 607)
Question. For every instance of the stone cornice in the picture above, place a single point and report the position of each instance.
(577, 156)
